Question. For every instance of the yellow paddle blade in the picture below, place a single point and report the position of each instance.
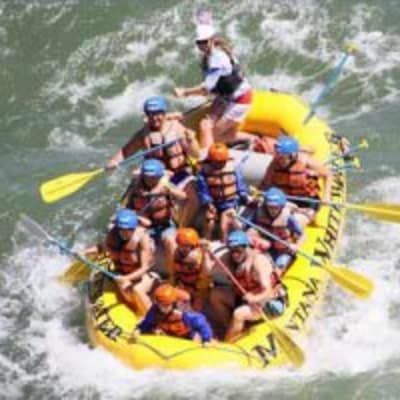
(387, 207)
(364, 144)
(351, 48)
(384, 212)
(292, 351)
(77, 272)
(63, 186)
(351, 281)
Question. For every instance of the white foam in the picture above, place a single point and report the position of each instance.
(138, 51)
(349, 338)
(66, 140)
(130, 101)
(356, 336)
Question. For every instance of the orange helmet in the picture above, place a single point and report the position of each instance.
(187, 237)
(165, 294)
(218, 152)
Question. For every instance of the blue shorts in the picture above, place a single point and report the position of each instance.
(282, 260)
(161, 232)
(181, 178)
(226, 205)
(274, 308)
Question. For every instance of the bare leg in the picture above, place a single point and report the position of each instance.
(209, 228)
(139, 302)
(225, 130)
(227, 223)
(211, 219)
(169, 246)
(142, 290)
(207, 124)
(206, 132)
(240, 316)
(191, 206)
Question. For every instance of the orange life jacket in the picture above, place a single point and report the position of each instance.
(248, 282)
(278, 226)
(187, 270)
(172, 324)
(222, 183)
(252, 285)
(296, 180)
(124, 254)
(174, 157)
(156, 206)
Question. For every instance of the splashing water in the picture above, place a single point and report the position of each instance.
(90, 68)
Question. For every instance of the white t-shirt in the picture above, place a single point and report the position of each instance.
(219, 64)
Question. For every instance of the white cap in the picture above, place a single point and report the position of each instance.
(204, 32)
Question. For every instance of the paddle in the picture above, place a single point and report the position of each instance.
(34, 228)
(351, 150)
(349, 280)
(77, 271)
(286, 343)
(330, 82)
(384, 212)
(354, 164)
(63, 186)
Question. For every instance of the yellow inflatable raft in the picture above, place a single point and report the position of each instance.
(110, 321)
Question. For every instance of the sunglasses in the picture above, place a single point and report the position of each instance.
(237, 249)
(218, 164)
(201, 42)
(154, 114)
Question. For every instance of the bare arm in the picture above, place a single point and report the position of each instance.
(193, 144)
(324, 172)
(208, 263)
(175, 191)
(263, 268)
(127, 150)
(198, 90)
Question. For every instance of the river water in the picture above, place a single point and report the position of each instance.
(73, 77)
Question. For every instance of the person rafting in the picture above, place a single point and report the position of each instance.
(166, 318)
(188, 270)
(160, 127)
(177, 156)
(298, 175)
(222, 77)
(221, 188)
(151, 195)
(279, 217)
(163, 127)
(255, 273)
(130, 248)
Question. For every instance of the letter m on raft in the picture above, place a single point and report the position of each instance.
(266, 352)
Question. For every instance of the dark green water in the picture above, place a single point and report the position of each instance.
(73, 77)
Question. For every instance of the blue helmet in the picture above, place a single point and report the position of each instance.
(126, 219)
(287, 145)
(153, 168)
(238, 238)
(155, 104)
(274, 197)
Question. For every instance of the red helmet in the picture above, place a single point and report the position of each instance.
(187, 237)
(165, 295)
(218, 152)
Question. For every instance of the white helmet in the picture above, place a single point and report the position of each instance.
(204, 32)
